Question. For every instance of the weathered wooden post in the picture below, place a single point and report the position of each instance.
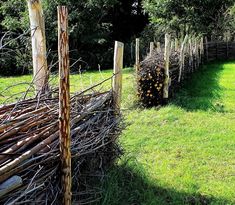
(182, 57)
(37, 26)
(227, 50)
(64, 104)
(176, 44)
(206, 45)
(167, 65)
(151, 48)
(159, 50)
(117, 71)
(137, 54)
(201, 50)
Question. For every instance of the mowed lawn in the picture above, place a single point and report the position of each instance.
(183, 153)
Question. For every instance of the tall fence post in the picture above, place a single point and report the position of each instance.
(151, 48)
(182, 57)
(64, 104)
(137, 54)
(227, 50)
(117, 80)
(167, 65)
(159, 47)
(201, 50)
(37, 26)
(176, 44)
(206, 45)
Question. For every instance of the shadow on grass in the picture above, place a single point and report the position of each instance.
(126, 187)
(202, 90)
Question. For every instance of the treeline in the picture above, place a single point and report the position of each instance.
(95, 24)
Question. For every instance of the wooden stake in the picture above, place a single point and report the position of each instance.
(37, 26)
(64, 103)
(176, 44)
(206, 45)
(137, 54)
(117, 69)
(201, 49)
(227, 47)
(167, 65)
(182, 57)
(159, 50)
(151, 48)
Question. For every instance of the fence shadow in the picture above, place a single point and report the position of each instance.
(127, 187)
(201, 91)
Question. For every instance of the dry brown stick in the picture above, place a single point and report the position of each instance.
(21, 145)
(27, 154)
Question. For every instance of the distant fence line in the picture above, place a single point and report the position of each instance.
(219, 50)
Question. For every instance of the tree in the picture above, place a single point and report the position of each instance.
(181, 16)
(94, 26)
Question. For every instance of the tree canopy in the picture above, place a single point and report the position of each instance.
(199, 16)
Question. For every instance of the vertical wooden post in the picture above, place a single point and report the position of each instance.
(37, 26)
(190, 53)
(182, 57)
(151, 48)
(207, 53)
(167, 65)
(202, 49)
(64, 104)
(172, 49)
(159, 47)
(176, 44)
(227, 47)
(137, 54)
(117, 69)
(197, 52)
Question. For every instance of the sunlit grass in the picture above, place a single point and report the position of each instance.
(182, 153)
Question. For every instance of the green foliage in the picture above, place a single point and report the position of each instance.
(181, 16)
(94, 25)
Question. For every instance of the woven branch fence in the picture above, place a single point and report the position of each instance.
(164, 69)
(56, 146)
(219, 50)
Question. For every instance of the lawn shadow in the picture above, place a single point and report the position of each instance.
(201, 91)
(124, 186)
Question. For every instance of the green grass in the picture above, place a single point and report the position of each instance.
(183, 153)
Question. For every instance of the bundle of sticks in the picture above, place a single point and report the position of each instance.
(29, 147)
(152, 75)
(150, 79)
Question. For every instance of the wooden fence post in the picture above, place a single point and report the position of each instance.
(117, 69)
(64, 104)
(151, 48)
(37, 26)
(176, 44)
(207, 53)
(137, 54)
(190, 54)
(182, 57)
(159, 47)
(227, 48)
(167, 65)
(201, 50)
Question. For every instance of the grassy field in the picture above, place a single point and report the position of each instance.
(183, 153)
